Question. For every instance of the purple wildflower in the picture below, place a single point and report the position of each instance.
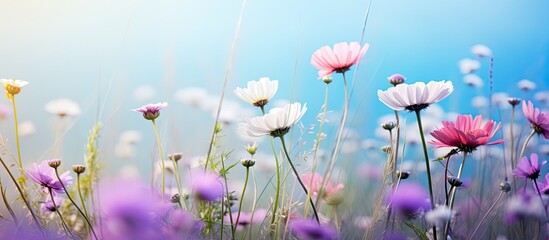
(151, 111)
(538, 119)
(182, 225)
(408, 199)
(525, 204)
(48, 206)
(44, 175)
(246, 218)
(529, 168)
(207, 186)
(544, 186)
(307, 229)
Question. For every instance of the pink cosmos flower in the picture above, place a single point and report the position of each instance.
(339, 59)
(466, 134)
(529, 168)
(151, 111)
(331, 192)
(44, 175)
(538, 119)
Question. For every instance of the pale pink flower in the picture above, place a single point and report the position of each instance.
(538, 119)
(339, 59)
(466, 134)
(151, 111)
(332, 194)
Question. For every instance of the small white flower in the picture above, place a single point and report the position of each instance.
(479, 102)
(63, 107)
(481, 50)
(192, 96)
(415, 96)
(439, 216)
(26, 128)
(500, 99)
(144, 93)
(526, 85)
(542, 96)
(124, 150)
(130, 137)
(467, 65)
(276, 123)
(473, 80)
(369, 144)
(14, 82)
(258, 93)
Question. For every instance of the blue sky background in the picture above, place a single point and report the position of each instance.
(79, 49)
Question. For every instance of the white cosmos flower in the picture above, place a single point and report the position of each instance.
(63, 107)
(259, 92)
(526, 85)
(14, 82)
(276, 123)
(192, 96)
(144, 93)
(542, 96)
(479, 102)
(439, 216)
(481, 50)
(473, 80)
(415, 96)
(468, 65)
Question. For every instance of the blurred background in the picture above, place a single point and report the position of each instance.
(113, 56)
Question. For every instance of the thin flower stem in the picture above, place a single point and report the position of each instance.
(228, 199)
(80, 195)
(512, 140)
(298, 178)
(23, 197)
(335, 151)
(20, 161)
(453, 197)
(8, 207)
(428, 168)
(179, 188)
(242, 196)
(63, 222)
(253, 204)
(485, 215)
(74, 203)
(277, 193)
(526, 143)
(161, 158)
(317, 146)
(397, 139)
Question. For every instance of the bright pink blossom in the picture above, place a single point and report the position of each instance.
(538, 119)
(466, 134)
(339, 59)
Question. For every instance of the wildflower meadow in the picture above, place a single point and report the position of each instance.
(248, 120)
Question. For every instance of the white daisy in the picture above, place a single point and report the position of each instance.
(415, 97)
(259, 92)
(13, 86)
(63, 107)
(473, 80)
(500, 99)
(481, 50)
(275, 123)
(526, 85)
(467, 65)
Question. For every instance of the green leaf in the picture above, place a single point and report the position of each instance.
(418, 231)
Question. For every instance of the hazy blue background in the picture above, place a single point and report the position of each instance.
(85, 49)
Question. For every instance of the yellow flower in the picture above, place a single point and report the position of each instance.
(13, 86)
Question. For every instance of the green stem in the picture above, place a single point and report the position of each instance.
(428, 168)
(161, 158)
(63, 222)
(253, 205)
(526, 144)
(512, 140)
(397, 139)
(233, 226)
(17, 134)
(80, 195)
(453, 197)
(74, 203)
(277, 194)
(23, 197)
(298, 178)
(242, 196)
(335, 151)
(179, 188)
(317, 146)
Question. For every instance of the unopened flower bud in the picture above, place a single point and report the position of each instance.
(403, 175)
(251, 149)
(247, 162)
(505, 186)
(514, 101)
(218, 127)
(327, 79)
(78, 169)
(386, 149)
(175, 156)
(388, 125)
(454, 181)
(151, 115)
(396, 79)
(175, 198)
(54, 163)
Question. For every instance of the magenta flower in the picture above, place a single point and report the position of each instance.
(466, 134)
(151, 111)
(528, 168)
(538, 119)
(44, 175)
(544, 186)
(304, 229)
(48, 206)
(339, 59)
